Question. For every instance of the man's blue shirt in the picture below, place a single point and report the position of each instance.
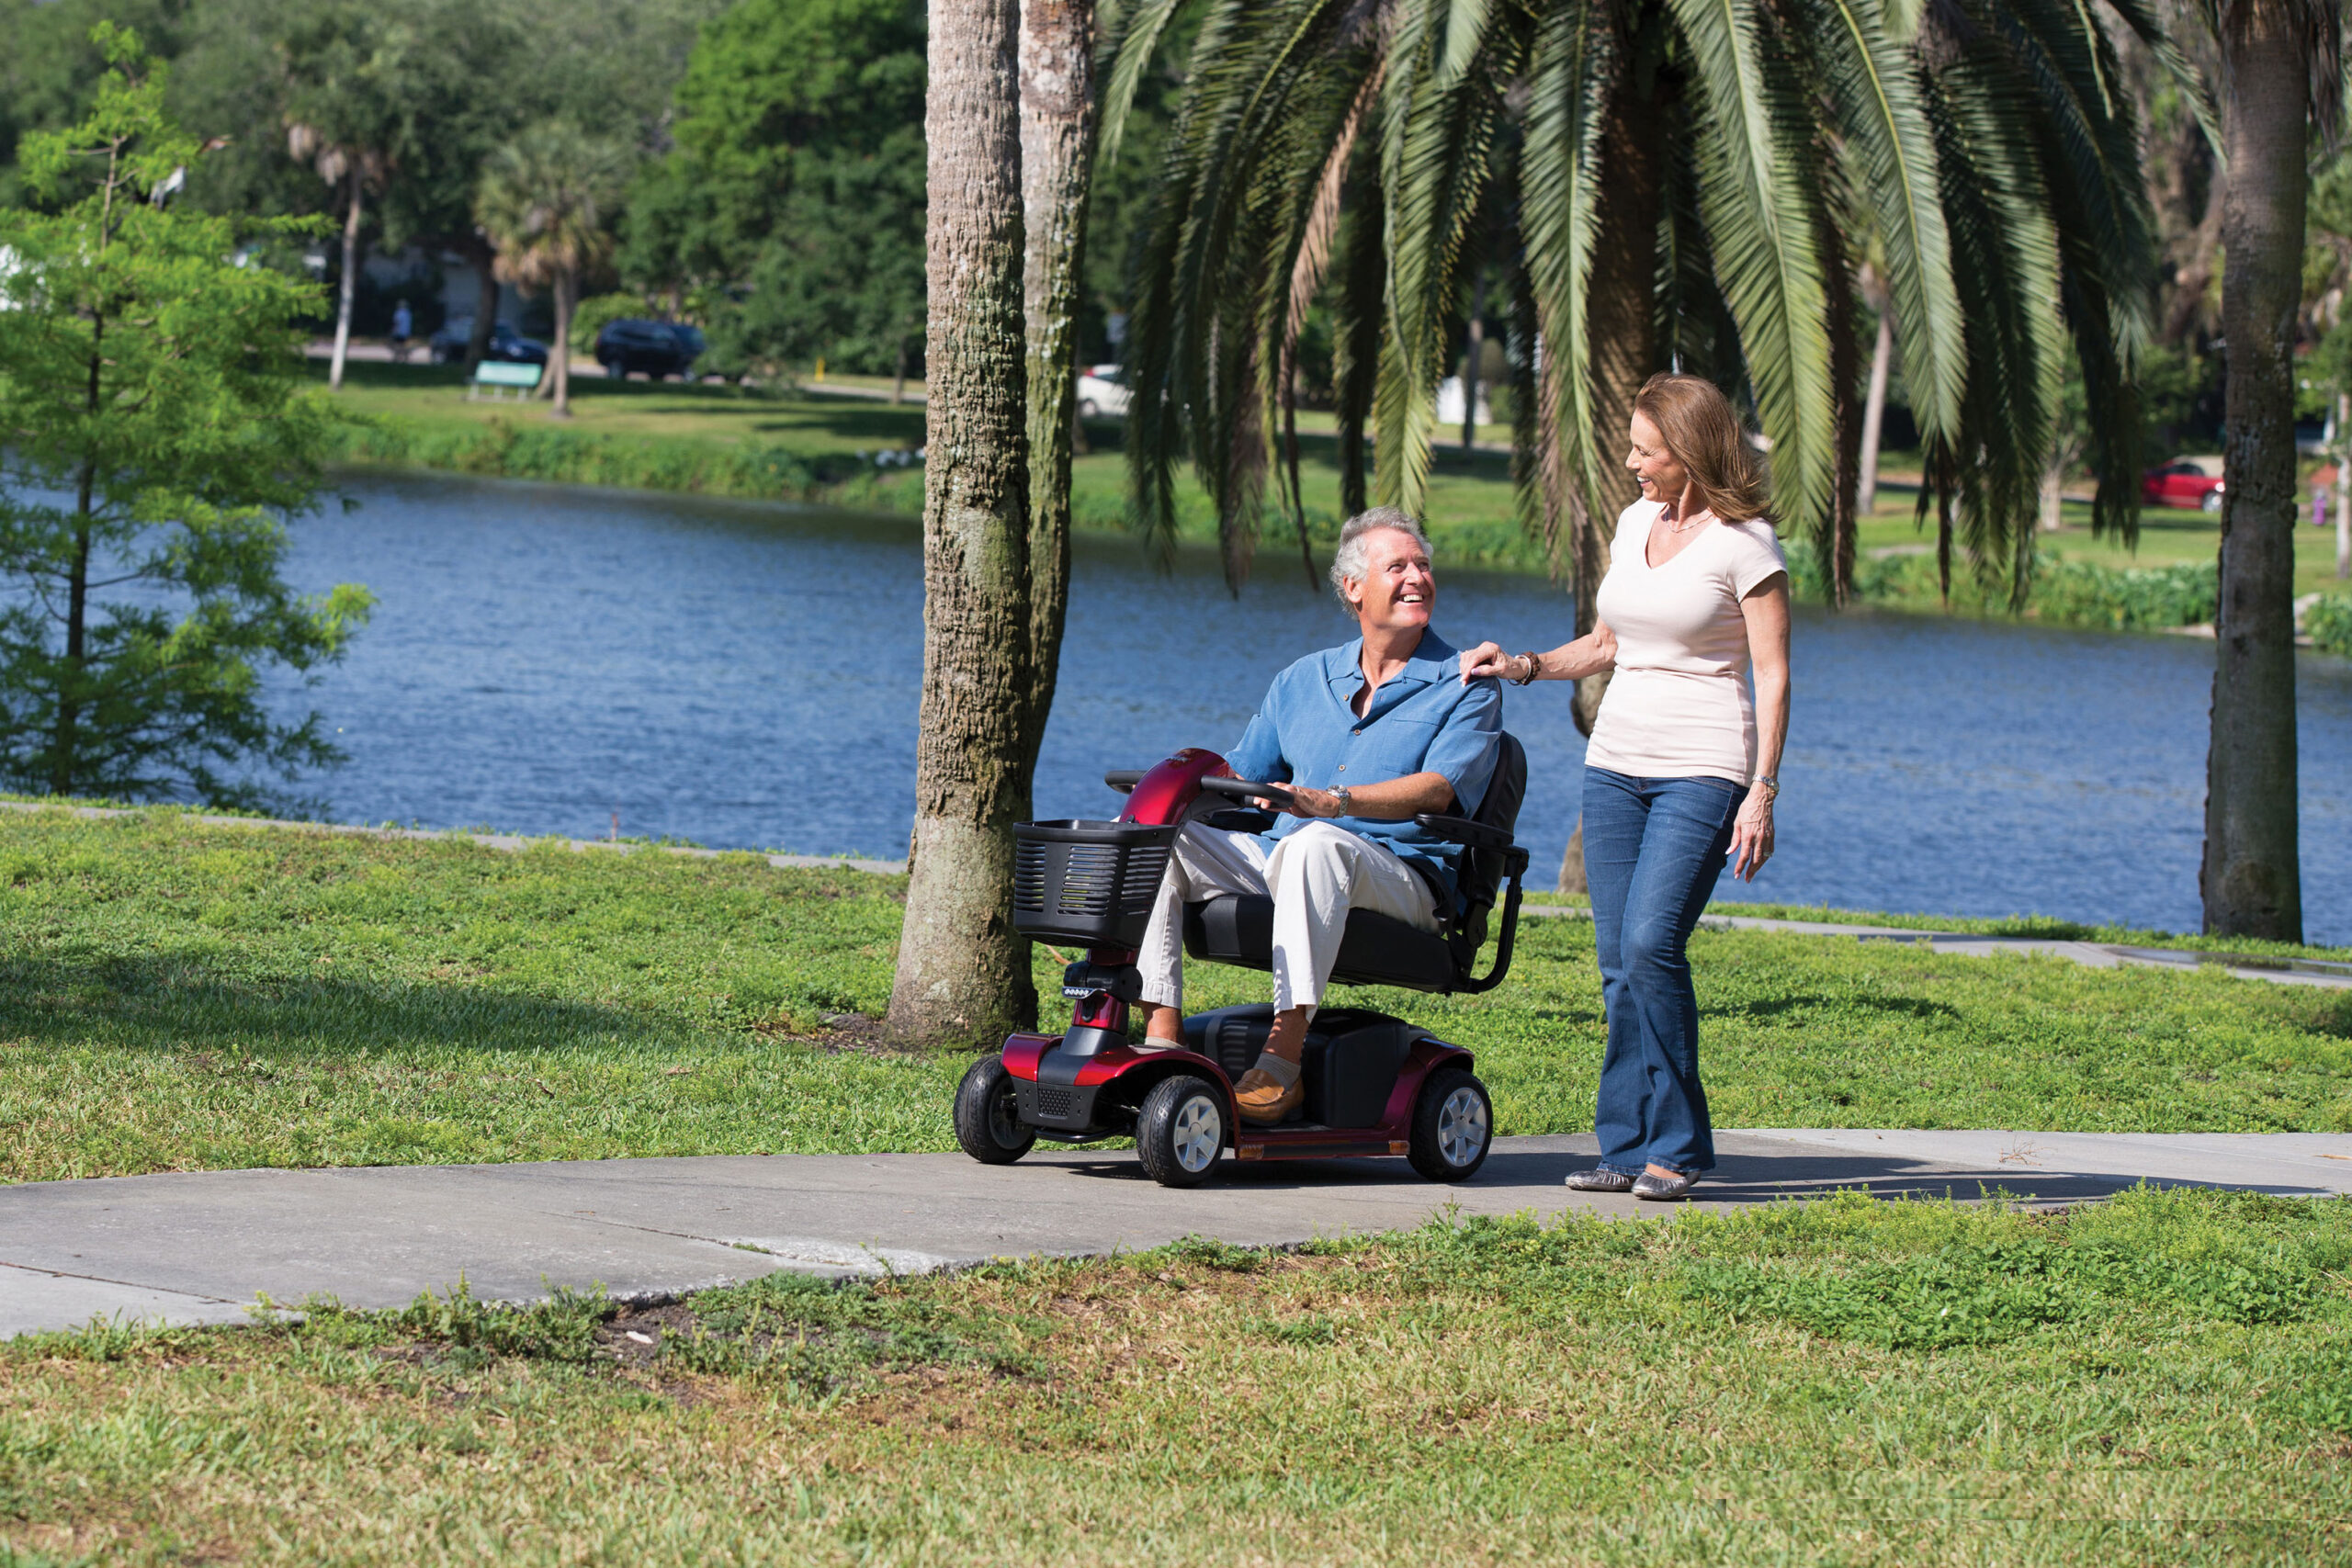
(1421, 720)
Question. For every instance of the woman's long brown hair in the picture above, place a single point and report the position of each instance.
(1696, 421)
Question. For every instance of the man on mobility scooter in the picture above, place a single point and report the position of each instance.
(1370, 734)
(1365, 750)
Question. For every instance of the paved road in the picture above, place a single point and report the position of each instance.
(201, 1248)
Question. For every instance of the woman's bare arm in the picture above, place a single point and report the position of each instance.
(1766, 611)
(1588, 655)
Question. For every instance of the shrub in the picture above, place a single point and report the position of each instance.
(2329, 623)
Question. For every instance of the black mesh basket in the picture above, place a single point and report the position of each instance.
(1090, 884)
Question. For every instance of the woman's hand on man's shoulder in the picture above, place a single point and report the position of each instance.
(1486, 662)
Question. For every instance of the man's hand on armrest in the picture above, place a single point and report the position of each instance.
(1392, 800)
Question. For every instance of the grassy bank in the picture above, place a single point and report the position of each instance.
(2160, 1379)
(178, 997)
(840, 449)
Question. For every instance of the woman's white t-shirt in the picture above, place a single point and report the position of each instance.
(1678, 706)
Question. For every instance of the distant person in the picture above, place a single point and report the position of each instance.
(402, 324)
(1682, 770)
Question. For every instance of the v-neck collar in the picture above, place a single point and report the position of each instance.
(1658, 517)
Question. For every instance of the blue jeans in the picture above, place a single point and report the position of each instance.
(1653, 848)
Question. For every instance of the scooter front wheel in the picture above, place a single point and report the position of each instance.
(988, 1115)
(1180, 1131)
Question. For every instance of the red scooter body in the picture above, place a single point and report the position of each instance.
(1089, 1083)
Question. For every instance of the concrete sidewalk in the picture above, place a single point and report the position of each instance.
(201, 1248)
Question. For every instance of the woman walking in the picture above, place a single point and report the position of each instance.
(1682, 770)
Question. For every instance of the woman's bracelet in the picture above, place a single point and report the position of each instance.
(1534, 667)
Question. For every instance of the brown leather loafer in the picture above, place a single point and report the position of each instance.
(1263, 1098)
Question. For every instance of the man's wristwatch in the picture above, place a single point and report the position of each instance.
(1771, 785)
(1347, 806)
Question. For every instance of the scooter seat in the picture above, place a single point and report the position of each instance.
(1375, 949)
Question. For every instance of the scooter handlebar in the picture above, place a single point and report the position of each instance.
(1243, 789)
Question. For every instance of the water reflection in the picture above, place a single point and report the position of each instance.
(748, 677)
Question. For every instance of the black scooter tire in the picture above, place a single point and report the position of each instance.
(1438, 1148)
(987, 1116)
(1180, 1130)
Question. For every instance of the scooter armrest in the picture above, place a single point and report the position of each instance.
(1235, 819)
(1462, 831)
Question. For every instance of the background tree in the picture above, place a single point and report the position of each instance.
(963, 971)
(345, 117)
(2281, 81)
(545, 202)
(1669, 182)
(788, 214)
(155, 439)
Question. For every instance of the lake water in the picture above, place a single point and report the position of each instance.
(747, 676)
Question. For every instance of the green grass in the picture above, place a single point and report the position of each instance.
(177, 996)
(2163, 1379)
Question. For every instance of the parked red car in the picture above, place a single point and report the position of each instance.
(2192, 484)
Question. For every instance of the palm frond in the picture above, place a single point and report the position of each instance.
(1759, 212)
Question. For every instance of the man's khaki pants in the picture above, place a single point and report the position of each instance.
(1315, 876)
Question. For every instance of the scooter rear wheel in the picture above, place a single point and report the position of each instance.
(1453, 1126)
(1180, 1131)
(987, 1114)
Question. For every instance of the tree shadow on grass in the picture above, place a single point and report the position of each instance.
(166, 1004)
(1779, 1008)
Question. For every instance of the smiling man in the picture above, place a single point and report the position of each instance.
(1367, 736)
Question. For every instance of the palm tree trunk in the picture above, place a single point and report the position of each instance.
(559, 351)
(1875, 413)
(1477, 343)
(1056, 159)
(350, 282)
(963, 972)
(485, 264)
(2251, 880)
(2343, 485)
(1620, 307)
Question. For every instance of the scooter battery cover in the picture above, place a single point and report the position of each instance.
(1351, 1060)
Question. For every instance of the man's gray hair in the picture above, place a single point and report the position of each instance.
(1348, 563)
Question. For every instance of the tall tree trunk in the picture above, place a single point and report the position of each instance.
(1621, 305)
(478, 250)
(963, 972)
(77, 586)
(2251, 879)
(2054, 498)
(1476, 344)
(1875, 413)
(64, 768)
(2343, 485)
(1057, 159)
(350, 282)
(559, 351)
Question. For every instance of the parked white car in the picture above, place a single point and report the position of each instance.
(1102, 393)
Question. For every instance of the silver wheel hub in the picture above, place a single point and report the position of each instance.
(1197, 1134)
(1461, 1126)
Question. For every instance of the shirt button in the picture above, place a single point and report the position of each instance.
(1343, 767)
(1355, 732)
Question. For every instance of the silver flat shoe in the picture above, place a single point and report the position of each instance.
(1664, 1188)
(1599, 1181)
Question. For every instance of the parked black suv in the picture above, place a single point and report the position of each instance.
(657, 348)
(448, 344)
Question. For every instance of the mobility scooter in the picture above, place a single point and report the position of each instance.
(1374, 1085)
